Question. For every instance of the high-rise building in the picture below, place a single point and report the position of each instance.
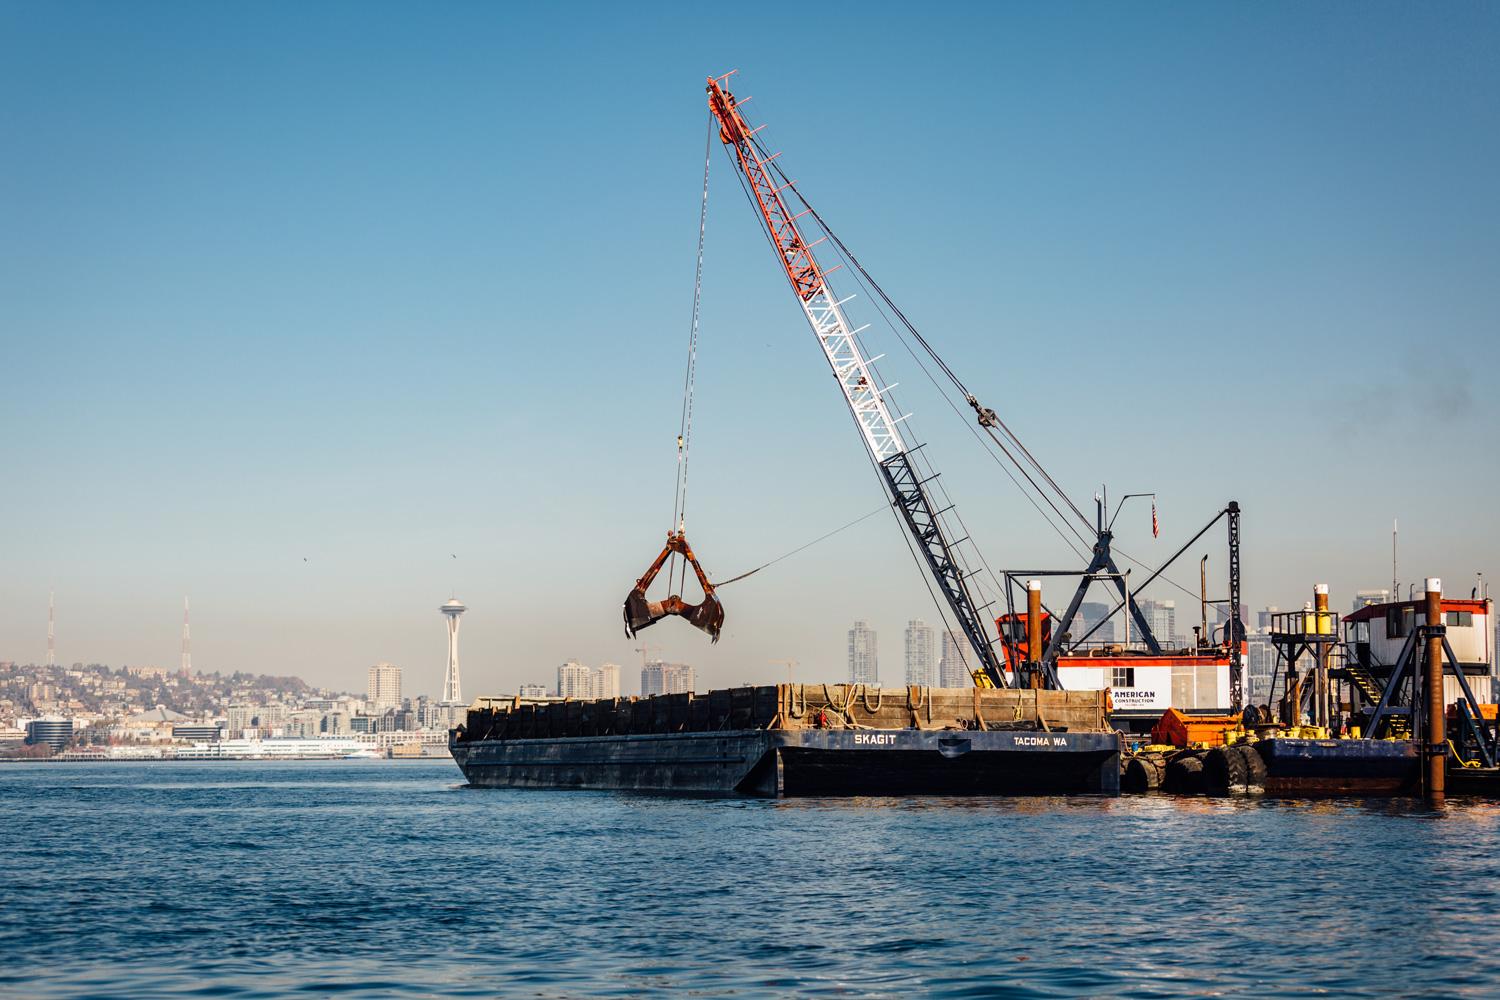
(239, 718)
(304, 724)
(1091, 613)
(864, 663)
(955, 669)
(1365, 598)
(1263, 618)
(921, 657)
(384, 688)
(533, 691)
(1162, 617)
(667, 678)
(574, 680)
(607, 681)
(451, 691)
(1260, 667)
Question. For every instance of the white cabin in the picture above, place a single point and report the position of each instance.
(1379, 632)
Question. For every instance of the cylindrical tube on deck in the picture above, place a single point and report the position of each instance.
(1034, 627)
(1323, 626)
(1437, 723)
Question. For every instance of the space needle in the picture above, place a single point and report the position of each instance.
(452, 610)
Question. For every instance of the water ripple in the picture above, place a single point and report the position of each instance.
(374, 879)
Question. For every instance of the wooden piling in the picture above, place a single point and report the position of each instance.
(1437, 723)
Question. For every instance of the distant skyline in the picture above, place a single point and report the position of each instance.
(324, 314)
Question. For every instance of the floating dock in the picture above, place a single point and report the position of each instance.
(1281, 767)
(799, 740)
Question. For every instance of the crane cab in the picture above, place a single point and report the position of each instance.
(1013, 641)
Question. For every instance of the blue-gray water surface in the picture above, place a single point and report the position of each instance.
(392, 879)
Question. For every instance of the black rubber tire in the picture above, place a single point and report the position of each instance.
(1224, 771)
(1143, 773)
(1255, 767)
(1156, 770)
(1185, 775)
(1192, 775)
(1174, 775)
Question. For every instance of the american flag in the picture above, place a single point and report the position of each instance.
(1155, 524)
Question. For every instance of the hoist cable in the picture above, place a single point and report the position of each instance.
(1032, 495)
(685, 427)
(926, 346)
(1036, 490)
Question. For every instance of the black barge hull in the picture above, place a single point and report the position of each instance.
(773, 763)
(1317, 768)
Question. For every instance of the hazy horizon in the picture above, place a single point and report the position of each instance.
(322, 315)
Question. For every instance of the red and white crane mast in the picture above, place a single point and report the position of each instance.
(824, 313)
(856, 379)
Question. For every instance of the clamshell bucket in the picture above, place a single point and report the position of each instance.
(641, 612)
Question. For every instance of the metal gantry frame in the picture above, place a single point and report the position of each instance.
(1102, 568)
(1403, 696)
(1291, 638)
(857, 380)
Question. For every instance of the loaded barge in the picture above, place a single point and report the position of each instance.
(799, 740)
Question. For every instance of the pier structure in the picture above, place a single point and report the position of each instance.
(1311, 634)
(452, 692)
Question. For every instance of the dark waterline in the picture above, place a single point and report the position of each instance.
(391, 879)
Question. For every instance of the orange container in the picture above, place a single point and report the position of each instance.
(1180, 729)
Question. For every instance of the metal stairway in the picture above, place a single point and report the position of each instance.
(1362, 679)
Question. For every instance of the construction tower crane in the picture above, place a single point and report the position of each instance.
(864, 395)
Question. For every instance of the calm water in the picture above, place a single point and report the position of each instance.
(391, 879)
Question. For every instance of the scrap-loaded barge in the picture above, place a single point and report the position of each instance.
(799, 740)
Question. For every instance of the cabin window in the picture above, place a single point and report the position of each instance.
(1124, 677)
(1398, 622)
(1463, 619)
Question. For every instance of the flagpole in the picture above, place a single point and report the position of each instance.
(1122, 504)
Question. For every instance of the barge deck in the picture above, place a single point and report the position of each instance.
(799, 740)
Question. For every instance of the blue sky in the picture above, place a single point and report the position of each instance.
(375, 285)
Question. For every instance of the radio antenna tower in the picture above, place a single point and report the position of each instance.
(51, 629)
(187, 640)
(452, 610)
